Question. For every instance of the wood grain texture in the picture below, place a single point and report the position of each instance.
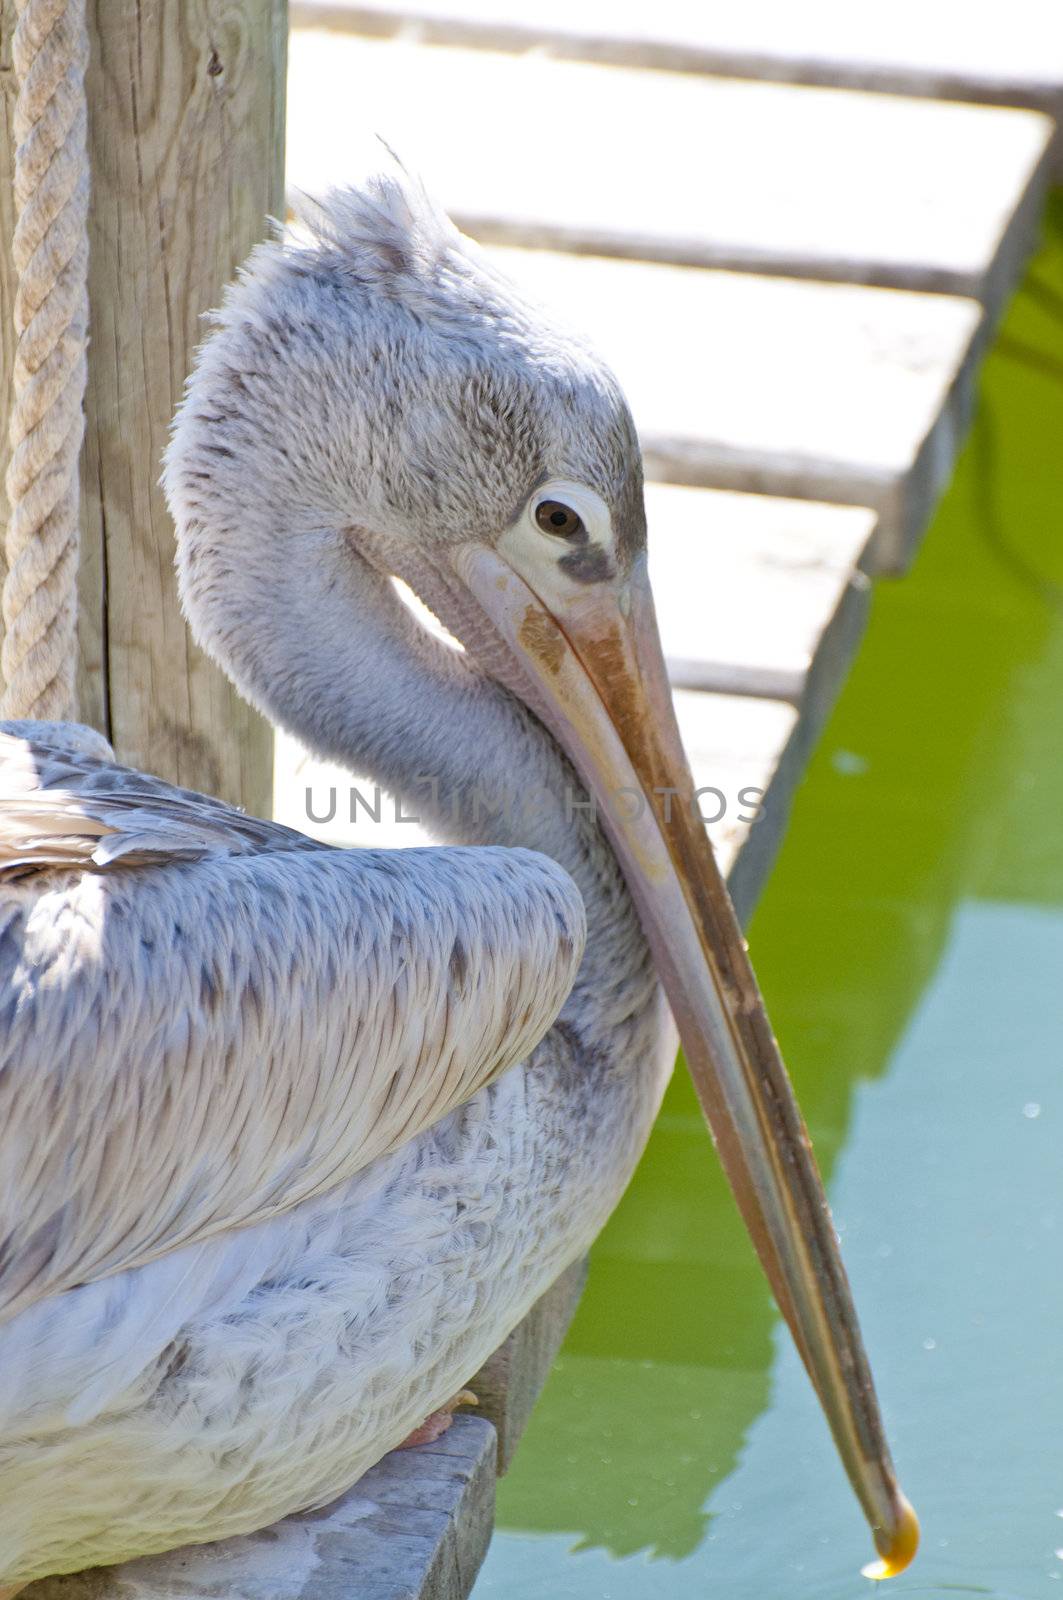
(7, 266)
(186, 130)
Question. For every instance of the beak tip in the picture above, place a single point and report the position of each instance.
(897, 1549)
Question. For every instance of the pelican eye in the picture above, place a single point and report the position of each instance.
(553, 516)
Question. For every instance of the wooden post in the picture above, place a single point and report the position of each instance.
(7, 266)
(186, 143)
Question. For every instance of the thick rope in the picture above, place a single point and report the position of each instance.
(50, 250)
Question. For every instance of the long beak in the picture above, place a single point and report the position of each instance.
(594, 672)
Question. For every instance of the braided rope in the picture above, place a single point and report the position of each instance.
(50, 250)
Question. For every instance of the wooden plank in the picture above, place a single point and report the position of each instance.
(416, 1527)
(1000, 55)
(814, 183)
(817, 391)
(757, 595)
(186, 115)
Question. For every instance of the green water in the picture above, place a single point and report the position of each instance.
(910, 945)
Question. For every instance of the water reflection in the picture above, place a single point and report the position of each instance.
(664, 1368)
(910, 946)
(950, 1199)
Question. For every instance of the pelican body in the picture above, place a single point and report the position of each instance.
(291, 1137)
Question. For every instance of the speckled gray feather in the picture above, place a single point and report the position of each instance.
(210, 1039)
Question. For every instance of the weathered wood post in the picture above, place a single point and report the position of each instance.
(186, 146)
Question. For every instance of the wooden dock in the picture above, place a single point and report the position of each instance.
(795, 282)
(1000, 55)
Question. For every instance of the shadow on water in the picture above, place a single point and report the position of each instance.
(909, 945)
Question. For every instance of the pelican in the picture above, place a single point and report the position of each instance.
(292, 1137)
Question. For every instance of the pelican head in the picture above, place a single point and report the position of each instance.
(379, 386)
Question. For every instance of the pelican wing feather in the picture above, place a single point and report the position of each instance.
(66, 802)
(206, 1019)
